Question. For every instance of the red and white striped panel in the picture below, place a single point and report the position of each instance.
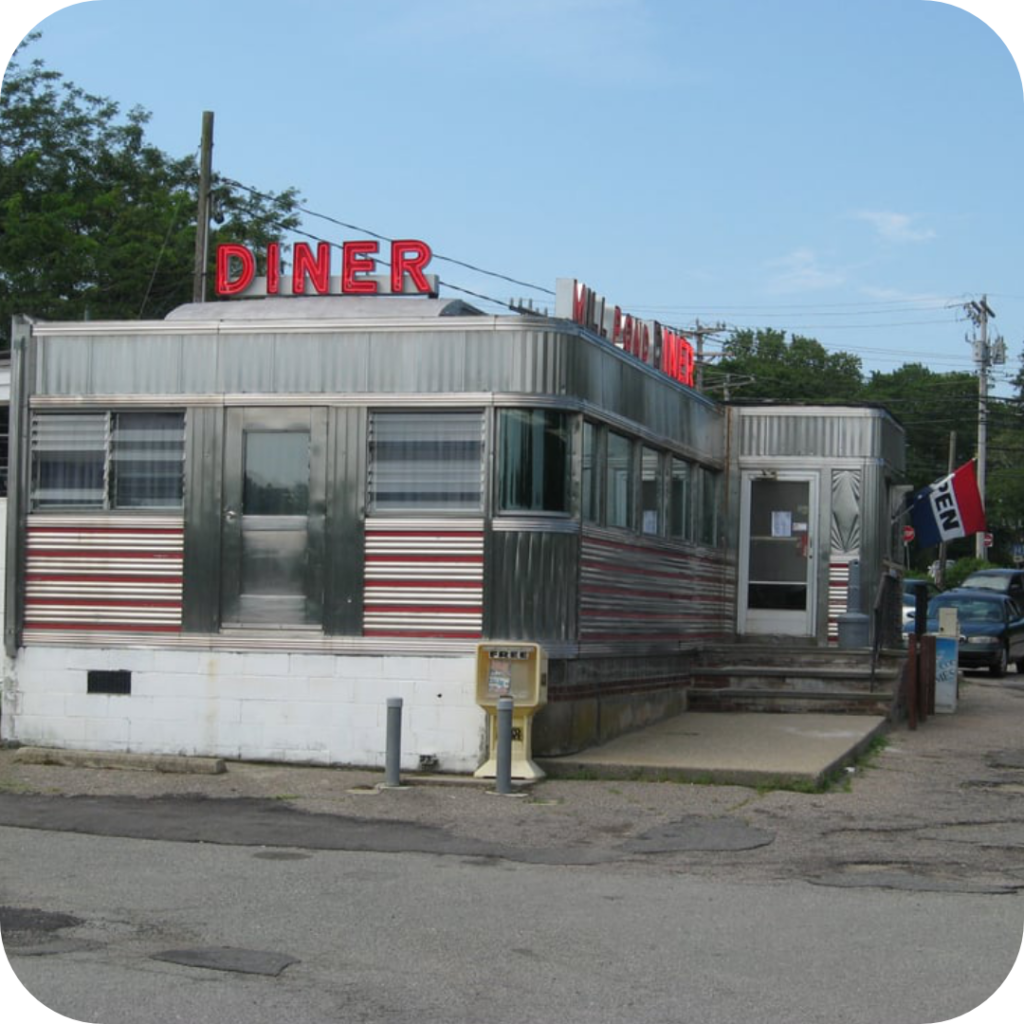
(424, 578)
(103, 574)
(642, 591)
(838, 585)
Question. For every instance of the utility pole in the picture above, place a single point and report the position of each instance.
(203, 212)
(698, 370)
(984, 357)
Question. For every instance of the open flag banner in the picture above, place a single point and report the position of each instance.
(948, 509)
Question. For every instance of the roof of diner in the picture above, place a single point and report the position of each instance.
(323, 307)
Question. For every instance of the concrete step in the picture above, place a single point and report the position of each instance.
(792, 700)
(802, 671)
(795, 678)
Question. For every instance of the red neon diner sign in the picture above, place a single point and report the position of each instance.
(651, 342)
(310, 272)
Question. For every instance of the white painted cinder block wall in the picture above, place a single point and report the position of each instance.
(302, 708)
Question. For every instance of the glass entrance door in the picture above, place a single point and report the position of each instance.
(274, 490)
(779, 557)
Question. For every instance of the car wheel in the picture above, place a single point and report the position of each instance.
(998, 668)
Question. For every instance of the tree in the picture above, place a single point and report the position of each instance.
(930, 406)
(95, 222)
(761, 365)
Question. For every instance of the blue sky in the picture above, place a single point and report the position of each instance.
(847, 171)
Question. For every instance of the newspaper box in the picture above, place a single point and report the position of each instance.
(511, 668)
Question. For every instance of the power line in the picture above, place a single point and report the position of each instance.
(384, 238)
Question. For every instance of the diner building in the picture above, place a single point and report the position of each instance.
(239, 530)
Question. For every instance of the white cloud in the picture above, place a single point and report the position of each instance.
(801, 271)
(896, 295)
(895, 227)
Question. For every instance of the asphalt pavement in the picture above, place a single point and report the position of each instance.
(832, 796)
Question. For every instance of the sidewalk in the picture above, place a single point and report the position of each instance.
(739, 748)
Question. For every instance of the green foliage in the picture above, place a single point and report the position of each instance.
(761, 365)
(930, 406)
(962, 568)
(95, 222)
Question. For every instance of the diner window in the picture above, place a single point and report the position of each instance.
(147, 460)
(426, 461)
(707, 503)
(679, 499)
(534, 466)
(619, 482)
(107, 460)
(591, 477)
(650, 490)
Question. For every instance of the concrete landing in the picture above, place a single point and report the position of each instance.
(745, 748)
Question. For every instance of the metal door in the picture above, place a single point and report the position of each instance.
(273, 521)
(778, 554)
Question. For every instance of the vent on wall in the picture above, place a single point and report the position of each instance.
(109, 681)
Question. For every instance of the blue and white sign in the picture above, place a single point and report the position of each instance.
(947, 653)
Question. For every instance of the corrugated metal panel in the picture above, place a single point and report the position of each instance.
(644, 591)
(420, 359)
(100, 574)
(346, 364)
(894, 445)
(414, 363)
(142, 364)
(63, 367)
(203, 506)
(245, 363)
(299, 364)
(536, 362)
(810, 434)
(619, 389)
(533, 584)
(199, 356)
(344, 540)
(424, 578)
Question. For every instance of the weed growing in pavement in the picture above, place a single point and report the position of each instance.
(869, 755)
(840, 780)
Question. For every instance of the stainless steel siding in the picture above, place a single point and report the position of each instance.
(419, 360)
(853, 433)
(531, 586)
(204, 446)
(645, 591)
(614, 387)
(343, 561)
(63, 367)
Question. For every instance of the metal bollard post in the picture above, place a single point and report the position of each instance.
(503, 754)
(393, 751)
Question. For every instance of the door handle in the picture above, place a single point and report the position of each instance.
(230, 515)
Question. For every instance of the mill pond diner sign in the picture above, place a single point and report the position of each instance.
(651, 342)
(310, 274)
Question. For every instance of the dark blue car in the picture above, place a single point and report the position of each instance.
(991, 628)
